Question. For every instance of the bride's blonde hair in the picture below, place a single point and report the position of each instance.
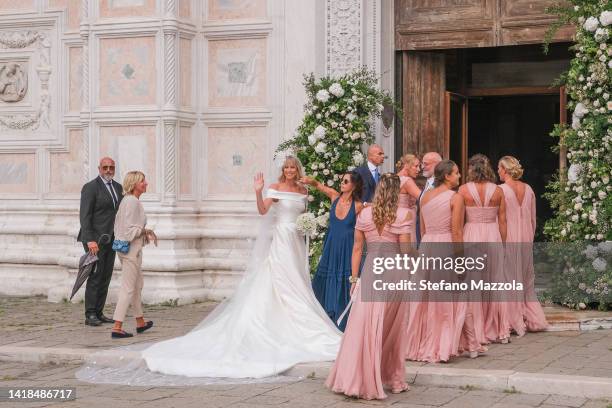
(386, 197)
(291, 160)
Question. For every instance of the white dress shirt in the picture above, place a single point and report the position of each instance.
(372, 169)
(109, 187)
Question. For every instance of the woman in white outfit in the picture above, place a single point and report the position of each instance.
(273, 321)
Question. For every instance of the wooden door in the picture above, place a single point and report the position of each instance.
(424, 84)
(456, 130)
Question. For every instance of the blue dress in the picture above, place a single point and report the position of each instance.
(330, 283)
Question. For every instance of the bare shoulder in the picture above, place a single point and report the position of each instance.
(274, 186)
(303, 190)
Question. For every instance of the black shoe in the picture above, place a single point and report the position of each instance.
(121, 335)
(144, 328)
(105, 319)
(92, 320)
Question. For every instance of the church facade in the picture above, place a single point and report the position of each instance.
(197, 94)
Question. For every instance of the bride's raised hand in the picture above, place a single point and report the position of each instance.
(258, 182)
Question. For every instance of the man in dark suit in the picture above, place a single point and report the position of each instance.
(100, 200)
(370, 173)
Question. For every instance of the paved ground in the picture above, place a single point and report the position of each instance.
(309, 392)
(33, 322)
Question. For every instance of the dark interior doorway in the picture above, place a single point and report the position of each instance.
(519, 126)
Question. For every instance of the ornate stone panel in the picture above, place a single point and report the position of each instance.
(344, 35)
(234, 155)
(237, 73)
(236, 9)
(134, 147)
(127, 71)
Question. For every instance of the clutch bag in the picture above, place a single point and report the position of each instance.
(121, 246)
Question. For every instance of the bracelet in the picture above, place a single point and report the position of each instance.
(353, 279)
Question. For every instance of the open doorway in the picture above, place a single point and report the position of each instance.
(519, 126)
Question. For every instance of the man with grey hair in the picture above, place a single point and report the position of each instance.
(369, 172)
(100, 200)
(429, 163)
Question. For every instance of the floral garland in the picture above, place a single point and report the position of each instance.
(582, 197)
(329, 141)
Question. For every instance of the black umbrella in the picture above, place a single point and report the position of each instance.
(87, 265)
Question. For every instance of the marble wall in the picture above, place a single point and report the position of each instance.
(127, 8)
(17, 174)
(237, 73)
(234, 156)
(68, 170)
(236, 9)
(133, 147)
(127, 71)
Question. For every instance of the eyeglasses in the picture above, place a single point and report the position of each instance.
(108, 167)
(346, 181)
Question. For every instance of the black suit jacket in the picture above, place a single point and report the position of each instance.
(369, 185)
(97, 213)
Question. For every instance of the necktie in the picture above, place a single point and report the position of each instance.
(110, 188)
(376, 175)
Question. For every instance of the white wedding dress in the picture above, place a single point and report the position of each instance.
(272, 322)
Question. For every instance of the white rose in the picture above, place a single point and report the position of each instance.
(357, 158)
(319, 132)
(319, 116)
(310, 198)
(602, 195)
(351, 116)
(314, 166)
(575, 218)
(333, 108)
(591, 24)
(596, 104)
(330, 183)
(603, 58)
(581, 20)
(606, 96)
(315, 173)
(354, 136)
(574, 172)
(323, 96)
(580, 110)
(578, 206)
(599, 236)
(606, 18)
(312, 139)
(320, 147)
(321, 166)
(326, 172)
(334, 125)
(336, 90)
(605, 179)
(576, 8)
(593, 184)
(563, 232)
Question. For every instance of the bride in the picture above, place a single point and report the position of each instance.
(273, 321)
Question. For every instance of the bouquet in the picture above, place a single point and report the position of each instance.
(306, 224)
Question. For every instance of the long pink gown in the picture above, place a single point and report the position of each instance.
(444, 320)
(519, 258)
(417, 309)
(372, 353)
(481, 225)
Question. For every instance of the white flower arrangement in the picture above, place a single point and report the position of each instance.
(600, 264)
(306, 224)
(591, 24)
(357, 158)
(320, 147)
(605, 18)
(336, 90)
(323, 96)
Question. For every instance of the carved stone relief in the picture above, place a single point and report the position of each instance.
(14, 79)
(344, 32)
(13, 82)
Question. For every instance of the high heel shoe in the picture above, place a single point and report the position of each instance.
(400, 389)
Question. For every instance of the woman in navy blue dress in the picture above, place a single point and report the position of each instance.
(330, 283)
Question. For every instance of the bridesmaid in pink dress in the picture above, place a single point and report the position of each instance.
(409, 166)
(521, 215)
(372, 354)
(442, 214)
(485, 222)
(408, 169)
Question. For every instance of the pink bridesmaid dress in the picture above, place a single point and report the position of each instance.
(481, 225)
(443, 321)
(519, 258)
(409, 202)
(372, 352)
(416, 310)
